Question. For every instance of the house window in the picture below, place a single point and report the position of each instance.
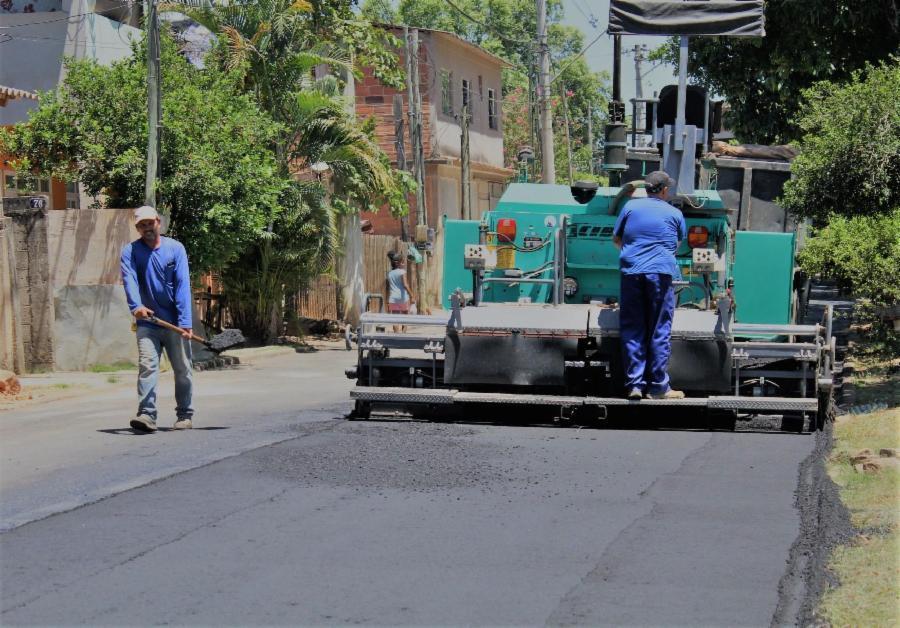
(25, 186)
(480, 88)
(492, 110)
(73, 198)
(467, 97)
(446, 92)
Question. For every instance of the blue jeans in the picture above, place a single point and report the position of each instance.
(151, 341)
(645, 327)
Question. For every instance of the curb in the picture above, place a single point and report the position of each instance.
(220, 362)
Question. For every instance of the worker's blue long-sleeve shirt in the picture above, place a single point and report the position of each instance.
(650, 230)
(158, 279)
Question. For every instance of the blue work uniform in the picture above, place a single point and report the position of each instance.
(650, 230)
(159, 279)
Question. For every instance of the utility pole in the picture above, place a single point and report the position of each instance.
(638, 59)
(415, 130)
(401, 155)
(614, 149)
(590, 136)
(638, 52)
(465, 167)
(532, 122)
(565, 105)
(154, 104)
(547, 154)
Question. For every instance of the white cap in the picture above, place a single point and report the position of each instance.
(145, 212)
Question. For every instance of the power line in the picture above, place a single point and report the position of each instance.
(67, 17)
(466, 15)
(577, 57)
(592, 19)
(120, 46)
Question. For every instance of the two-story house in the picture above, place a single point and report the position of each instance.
(35, 36)
(452, 72)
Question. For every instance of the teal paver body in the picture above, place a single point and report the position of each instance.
(760, 263)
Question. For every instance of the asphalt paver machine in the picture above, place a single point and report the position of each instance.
(531, 321)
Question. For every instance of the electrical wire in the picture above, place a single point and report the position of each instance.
(512, 40)
(521, 249)
(572, 60)
(122, 46)
(67, 17)
(592, 19)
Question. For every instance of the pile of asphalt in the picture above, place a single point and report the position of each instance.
(824, 525)
(226, 340)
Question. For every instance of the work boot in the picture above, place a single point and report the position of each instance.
(635, 394)
(669, 394)
(143, 424)
(184, 423)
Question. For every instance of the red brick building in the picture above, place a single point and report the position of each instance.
(451, 71)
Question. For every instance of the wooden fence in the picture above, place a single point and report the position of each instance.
(319, 300)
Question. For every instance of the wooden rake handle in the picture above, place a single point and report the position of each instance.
(168, 325)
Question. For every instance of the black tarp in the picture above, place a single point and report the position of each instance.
(737, 18)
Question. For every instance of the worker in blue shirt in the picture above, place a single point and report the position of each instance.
(648, 231)
(157, 284)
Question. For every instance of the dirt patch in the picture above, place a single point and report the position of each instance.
(824, 525)
(32, 395)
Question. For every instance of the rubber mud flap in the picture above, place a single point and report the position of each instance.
(701, 365)
(512, 360)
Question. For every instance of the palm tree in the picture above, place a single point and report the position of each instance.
(275, 48)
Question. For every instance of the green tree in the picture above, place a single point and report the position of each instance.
(806, 42)
(278, 46)
(219, 182)
(507, 28)
(862, 253)
(849, 160)
(846, 179)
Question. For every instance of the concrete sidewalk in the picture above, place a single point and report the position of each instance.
(59, 385)
(60, 453)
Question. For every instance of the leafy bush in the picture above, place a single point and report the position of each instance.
(849, 162)
(219, 180)
(806, 42)
(862, 253)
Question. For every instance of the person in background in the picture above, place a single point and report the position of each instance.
(399, 295)
(158, 284)
(648, 232)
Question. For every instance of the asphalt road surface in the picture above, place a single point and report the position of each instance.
(295, 515)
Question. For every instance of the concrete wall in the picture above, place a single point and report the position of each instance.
(12, 351)
(32, 280)
(91, 322)
(33, 53)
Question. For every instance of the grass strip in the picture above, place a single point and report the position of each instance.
(867, 572)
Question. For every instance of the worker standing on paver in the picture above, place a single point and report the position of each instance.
(648, 231)
(157, 284)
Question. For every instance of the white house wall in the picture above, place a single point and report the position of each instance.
(485, 144)
(34, 45)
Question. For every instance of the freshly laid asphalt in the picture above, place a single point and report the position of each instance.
(292, 514)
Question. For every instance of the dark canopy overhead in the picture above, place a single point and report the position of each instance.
(738, 18)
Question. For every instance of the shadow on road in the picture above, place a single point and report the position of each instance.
(630, 419)
(127, 431)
